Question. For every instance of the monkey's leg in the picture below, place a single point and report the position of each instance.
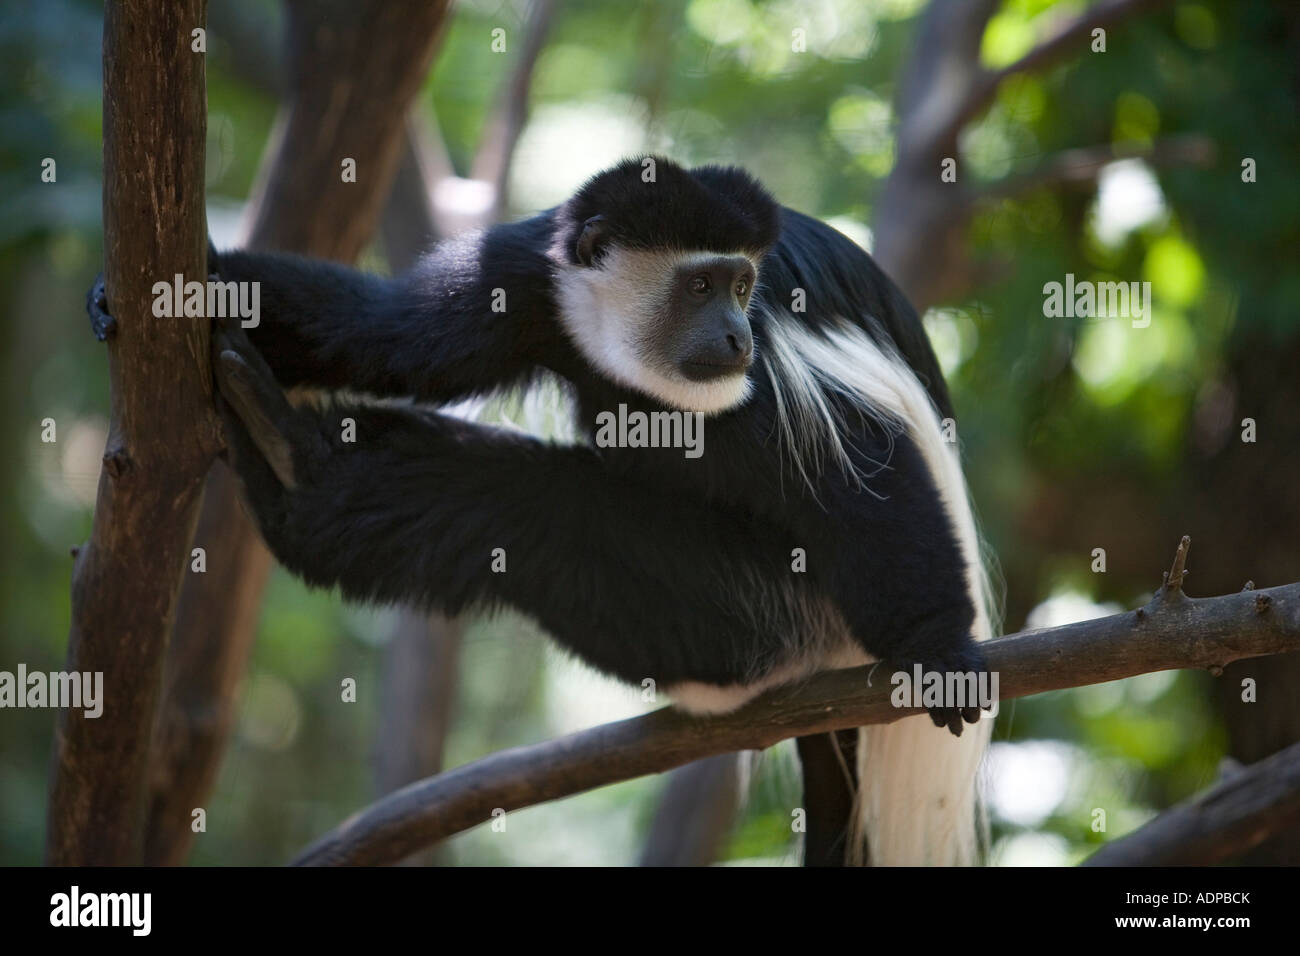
(829, 766)
(393, 504)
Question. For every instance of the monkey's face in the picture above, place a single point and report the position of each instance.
(670, 324)
(702, 330)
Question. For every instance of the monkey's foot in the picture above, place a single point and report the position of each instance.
(249, 390)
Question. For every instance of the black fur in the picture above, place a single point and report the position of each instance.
(642, 562)
(718, 208)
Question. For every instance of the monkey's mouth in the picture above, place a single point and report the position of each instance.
(712, 371)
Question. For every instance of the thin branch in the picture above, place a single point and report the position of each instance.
(1172, 631)
(350, 86)
(942, 79)
(1076, 33)
(420, 666)
(1065, 41)
(1237, 814)
(410, 223)
(918, 218)
(1080, 167)
(497, 147)
(162, 435)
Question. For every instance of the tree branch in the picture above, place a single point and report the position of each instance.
(410, 224)
(1075, 33)
(1178, 570)
(1172, 631)
(1235, 815)
(1076, 167)
(696, 812)
(497, 146)
(919, 218)
(162, 434)
(348, 98)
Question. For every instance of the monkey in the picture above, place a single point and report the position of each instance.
(826, 525)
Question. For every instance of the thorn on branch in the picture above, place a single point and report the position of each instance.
(1174, 576)
(1250, 586)
(75, 551)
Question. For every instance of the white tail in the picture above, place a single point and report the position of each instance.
(916, 802)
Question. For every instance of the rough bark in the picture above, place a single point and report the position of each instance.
(353, 70)
(216, 623)
(162, 435)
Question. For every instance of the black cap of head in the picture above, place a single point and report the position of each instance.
(665, 206)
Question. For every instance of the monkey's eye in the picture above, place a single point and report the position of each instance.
(742, 288)
(700, 285)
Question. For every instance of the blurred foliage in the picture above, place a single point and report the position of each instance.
(710, 80)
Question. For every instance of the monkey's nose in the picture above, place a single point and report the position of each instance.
(741, 345)
(720, 355)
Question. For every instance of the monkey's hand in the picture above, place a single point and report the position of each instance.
(968, 661)
(101, 322)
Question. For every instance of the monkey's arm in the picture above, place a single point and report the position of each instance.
(425, 508)
(899, 577)
(473, 315)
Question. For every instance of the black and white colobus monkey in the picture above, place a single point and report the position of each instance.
(658, 288)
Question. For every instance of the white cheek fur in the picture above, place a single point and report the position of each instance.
(605, 311)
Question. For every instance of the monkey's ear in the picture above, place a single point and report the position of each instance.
(594, 232)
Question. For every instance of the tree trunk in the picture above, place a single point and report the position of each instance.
(162, 434)
(353, 70)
